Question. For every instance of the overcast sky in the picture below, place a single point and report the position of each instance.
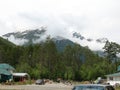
(91, 18)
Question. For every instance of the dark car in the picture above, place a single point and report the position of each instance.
(93, 87)
(40, 82)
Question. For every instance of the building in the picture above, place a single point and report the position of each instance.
(20, 76)
(6, 72)
(114, 78)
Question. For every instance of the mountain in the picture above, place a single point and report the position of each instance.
(36, 36)
(94, 44)
(79, 36)
(39, 35)
(62, 42)
(6, 50)
(5, 43)
(26, 37)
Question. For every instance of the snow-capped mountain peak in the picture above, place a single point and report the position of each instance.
(40, 35)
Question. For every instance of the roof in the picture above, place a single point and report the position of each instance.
(103, 85)
(20, 74)
(114, 74)
(93, 86)
(5, 72)
(6, 66)
(118, 69)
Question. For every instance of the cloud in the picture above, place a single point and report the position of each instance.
(16, 41)
(92, 18)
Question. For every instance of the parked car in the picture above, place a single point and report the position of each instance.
(93, 87)
(40, 82)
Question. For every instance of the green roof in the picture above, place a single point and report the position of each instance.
(5, 72)
(6, 66)
(118, 69)
(114, 74)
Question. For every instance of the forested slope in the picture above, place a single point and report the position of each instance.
(45, 61)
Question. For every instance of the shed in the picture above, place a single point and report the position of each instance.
(20, 76)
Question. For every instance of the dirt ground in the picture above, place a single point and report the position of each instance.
(37, 87)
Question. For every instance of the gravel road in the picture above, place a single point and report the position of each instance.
(36, 87)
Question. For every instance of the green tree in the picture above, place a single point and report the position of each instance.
(50, 53)
(112, 49)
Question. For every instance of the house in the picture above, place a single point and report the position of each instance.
(6, 72)
(114, 78)
(20, 76)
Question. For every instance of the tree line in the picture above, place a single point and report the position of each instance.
(45, 61)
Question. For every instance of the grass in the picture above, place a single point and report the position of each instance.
(118, 88)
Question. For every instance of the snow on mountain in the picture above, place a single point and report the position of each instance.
(40, 35)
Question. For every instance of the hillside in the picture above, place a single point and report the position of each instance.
(41, 57)
(7, 51)
(5, 43)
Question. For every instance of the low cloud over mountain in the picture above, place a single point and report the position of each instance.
(40, 35)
